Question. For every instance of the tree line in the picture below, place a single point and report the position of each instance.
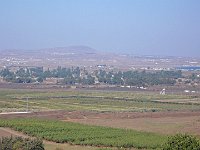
(75, 75)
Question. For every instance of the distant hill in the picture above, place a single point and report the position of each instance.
(85, 56)
(68, 49)
(72, 49)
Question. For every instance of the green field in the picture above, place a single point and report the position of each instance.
(79, 134)
(15, 100)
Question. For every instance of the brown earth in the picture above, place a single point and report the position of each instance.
(166, 125)
(159, 122)
(6, 132)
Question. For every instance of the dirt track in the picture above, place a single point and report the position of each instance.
(64, 115)
(6, 132)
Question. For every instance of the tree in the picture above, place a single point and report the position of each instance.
(182, 142)
(88, 80)
(40, 79)
(69, 80)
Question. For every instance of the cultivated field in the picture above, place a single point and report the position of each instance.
(7, 132)
(74, 133)
(145, 119)
(103, 101)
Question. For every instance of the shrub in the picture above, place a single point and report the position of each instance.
(182, 142)
(19, 143)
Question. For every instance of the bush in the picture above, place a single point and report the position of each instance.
(19, 143)
(182, 142)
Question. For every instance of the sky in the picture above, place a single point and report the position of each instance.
(142, 27)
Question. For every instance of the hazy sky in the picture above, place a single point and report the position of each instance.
(156, 27)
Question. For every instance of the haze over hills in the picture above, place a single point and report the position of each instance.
(76, 50)
(69, 49)
(73, 49)
(85, 56)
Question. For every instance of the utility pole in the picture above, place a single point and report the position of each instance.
(192, 106)
(1, 143)
(27, 104)
(144, 108)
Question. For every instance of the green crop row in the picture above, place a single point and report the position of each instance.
(74, 133)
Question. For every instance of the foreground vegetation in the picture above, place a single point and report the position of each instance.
(16, 100)
(182, 142)
(79, 134)
(19, 143)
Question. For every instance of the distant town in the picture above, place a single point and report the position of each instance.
(81, 66)
(91, 59)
